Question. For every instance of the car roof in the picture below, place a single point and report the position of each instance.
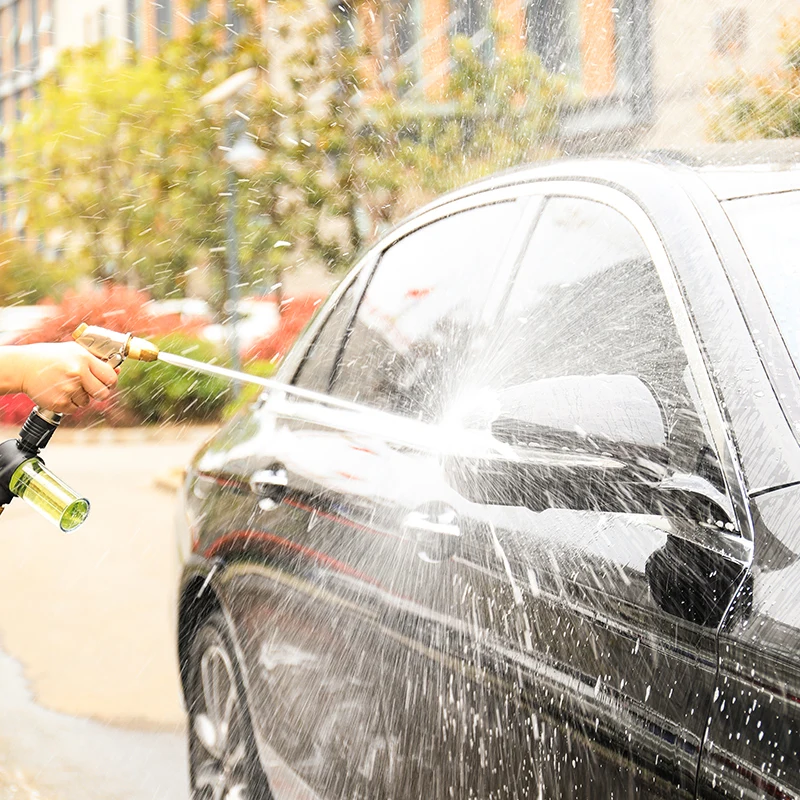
(730, 170)
(745, 169)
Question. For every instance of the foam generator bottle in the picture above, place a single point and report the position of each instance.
(23, 474)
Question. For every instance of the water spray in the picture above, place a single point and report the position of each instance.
(404, 431)
(23, 473)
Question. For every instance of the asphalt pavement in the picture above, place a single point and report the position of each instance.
(90, 703)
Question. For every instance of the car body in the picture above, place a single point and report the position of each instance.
(526, 525)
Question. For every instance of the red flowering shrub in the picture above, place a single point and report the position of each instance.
(14, 408)
(117, 307)
(295, 314)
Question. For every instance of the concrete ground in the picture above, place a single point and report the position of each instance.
(90, 704)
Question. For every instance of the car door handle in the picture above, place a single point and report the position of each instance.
(270, 485)
(436, 528)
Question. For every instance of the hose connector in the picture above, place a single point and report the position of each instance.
(112, 346)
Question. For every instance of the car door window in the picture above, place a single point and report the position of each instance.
(315, 371)
(422, 309)
(587, 351)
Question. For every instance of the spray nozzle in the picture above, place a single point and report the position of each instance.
(114, 347)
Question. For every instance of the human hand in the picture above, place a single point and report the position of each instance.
(62, 377)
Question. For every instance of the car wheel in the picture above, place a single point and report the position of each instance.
(223, 762)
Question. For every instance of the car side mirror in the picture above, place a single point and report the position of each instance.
(587, 443)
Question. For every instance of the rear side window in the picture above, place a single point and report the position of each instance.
(315, 371)
(421, 311)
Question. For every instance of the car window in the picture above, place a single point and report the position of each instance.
(315, 370)
(587, 352)
(421, 311)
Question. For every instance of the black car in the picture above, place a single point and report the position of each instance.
(528, 523)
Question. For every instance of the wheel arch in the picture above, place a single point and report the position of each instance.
(197, 602)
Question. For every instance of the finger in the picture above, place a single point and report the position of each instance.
(95, 386)
(102, 371)
(80, 398)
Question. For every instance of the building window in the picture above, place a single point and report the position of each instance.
(400, 46)
(553, 33)
(345, 18)
(34, 16)
(3, 189)
(632, 56)
(730, 32)
(467, 17)
(199, 11)
(102, 24)
(402, 26)
(3, 23)
(164, 18)
(236, 21)
(15, 34)
(132, 22)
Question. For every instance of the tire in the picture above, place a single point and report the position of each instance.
(223, 760)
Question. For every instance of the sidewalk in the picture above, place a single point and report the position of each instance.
(91, 616)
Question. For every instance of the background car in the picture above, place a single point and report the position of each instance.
(536, 536)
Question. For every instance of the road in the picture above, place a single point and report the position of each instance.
(90, 706)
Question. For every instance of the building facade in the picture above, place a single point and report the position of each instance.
(640, 68)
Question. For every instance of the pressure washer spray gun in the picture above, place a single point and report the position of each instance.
(22, 470)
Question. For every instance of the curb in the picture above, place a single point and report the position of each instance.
(171, 480)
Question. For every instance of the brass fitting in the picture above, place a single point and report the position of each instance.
(141, 350)
(112, 346)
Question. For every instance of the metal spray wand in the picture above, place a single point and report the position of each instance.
(115, 347)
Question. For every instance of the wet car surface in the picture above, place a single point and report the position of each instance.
(542, 540)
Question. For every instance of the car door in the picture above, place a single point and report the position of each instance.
(424, 628)
(614, 516)
(319, 563)
(251, 527)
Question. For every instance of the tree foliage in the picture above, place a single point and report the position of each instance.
(765, 106)
(22, 279)
(122, 166)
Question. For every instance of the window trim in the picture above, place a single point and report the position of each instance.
(738, 547)
(290, 367)
(350, 282)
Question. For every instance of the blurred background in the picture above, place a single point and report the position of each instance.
(203, 173)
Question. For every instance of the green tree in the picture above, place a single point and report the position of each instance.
(22, 279)
(123, 159)
(85, 156)
(765, 106)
